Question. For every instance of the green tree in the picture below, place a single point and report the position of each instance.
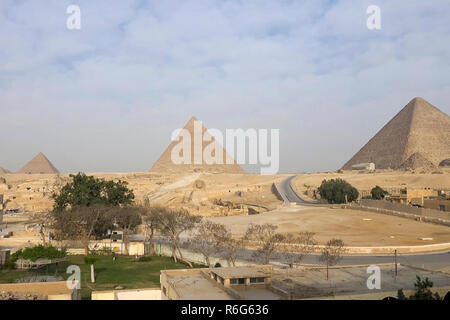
(338, 191)
(422, 292)
(378, 193)
(85, 191)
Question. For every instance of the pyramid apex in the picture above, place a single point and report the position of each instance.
(419, 101)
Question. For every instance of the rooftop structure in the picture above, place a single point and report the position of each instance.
(412, 196)
(232, 283)
(57, 290)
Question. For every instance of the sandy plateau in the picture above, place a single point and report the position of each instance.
(240, 199)
(204, 194)
(305, 184)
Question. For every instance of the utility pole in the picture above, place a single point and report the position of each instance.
(395, 261)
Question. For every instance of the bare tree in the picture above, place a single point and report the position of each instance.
(228, 246)
(332, 252)
(268, 241)
(295, 248)
(171, 223)
(81, 224)
(207, 239)
(43, 221)
(127, 219)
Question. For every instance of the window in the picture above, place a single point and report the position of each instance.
(237, 281)
(441, 207)
(257, 280)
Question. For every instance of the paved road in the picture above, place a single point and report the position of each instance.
(290, 194)
(434, 261)
(429, 260)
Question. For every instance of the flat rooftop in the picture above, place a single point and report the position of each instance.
(44, 288)
(195, 286)
(242, 272)
(312, 283)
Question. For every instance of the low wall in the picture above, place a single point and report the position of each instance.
(379, 295)
(128, 294)
(424, 215)
(166, 250)
(387, 205)
(131, 248)
(277, 193)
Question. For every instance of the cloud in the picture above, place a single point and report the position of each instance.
(107, 97)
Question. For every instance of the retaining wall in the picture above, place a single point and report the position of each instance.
(385, 207)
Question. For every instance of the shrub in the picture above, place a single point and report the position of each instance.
(145, 259)
(338, 191)
(422, 291)
(378, 193)
(90, 260)
(35, 253)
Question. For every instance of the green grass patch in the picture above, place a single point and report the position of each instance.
(124, 271)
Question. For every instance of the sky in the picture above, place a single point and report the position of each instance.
(107, 97)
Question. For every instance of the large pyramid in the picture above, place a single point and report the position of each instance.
(40, 165)
(418, 136)
(165, 164)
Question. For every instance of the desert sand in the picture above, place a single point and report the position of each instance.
(355, 228)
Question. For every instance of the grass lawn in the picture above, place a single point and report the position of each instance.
(125, 272)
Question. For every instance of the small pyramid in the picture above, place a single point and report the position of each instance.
(165, 164)
(4, 171)
(418, 128)
(39, 165)
(417, 160)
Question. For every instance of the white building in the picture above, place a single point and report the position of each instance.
(364, 166)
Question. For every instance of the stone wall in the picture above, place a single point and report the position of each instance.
(404, 211)
(405, 208)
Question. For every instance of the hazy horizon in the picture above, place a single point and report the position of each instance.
(107, 97)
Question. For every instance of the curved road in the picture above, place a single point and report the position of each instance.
(289, 194)
(436, 260)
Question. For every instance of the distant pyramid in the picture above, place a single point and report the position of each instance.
(165, 164)
(40, 165)
(4, 171)
(418, 136)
